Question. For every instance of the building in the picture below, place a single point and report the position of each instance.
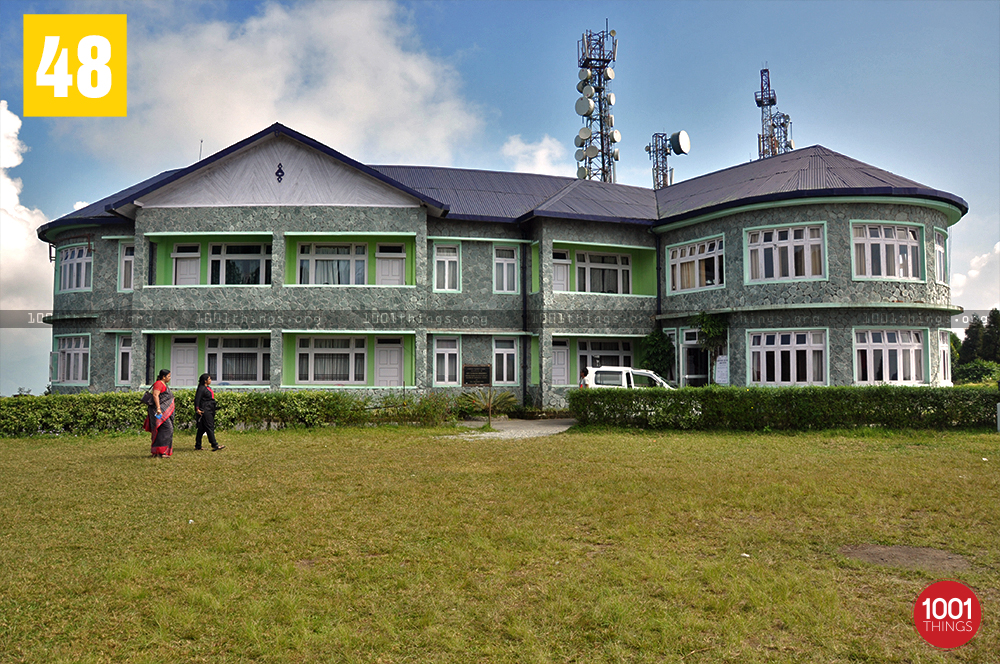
(279, 263)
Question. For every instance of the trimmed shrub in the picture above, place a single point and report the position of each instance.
(977, 371)
(789, 409)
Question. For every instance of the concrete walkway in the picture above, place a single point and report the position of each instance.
(518, 428)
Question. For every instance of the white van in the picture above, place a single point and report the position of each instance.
(626, 377)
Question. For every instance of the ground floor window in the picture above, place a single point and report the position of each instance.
(694, 359)
(73, 359)
(889, 356)
(604, 353)
(945, 352)
(504, 361)
(788, 357)
(124, 359)
(332, 359)
(239, 359)
(446, 360)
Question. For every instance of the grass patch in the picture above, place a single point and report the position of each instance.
(416, 545)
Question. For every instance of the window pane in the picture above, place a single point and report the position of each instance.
(817, 358)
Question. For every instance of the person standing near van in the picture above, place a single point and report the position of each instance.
(204, 407)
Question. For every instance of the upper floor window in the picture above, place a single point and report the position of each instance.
(238, 359)
(333, 264)
(696, 265)
(505, 269)
(126, 267)
(446, 267)
(889, 356)
(888, 252)
(941, 257)
(73, 359)
(788, 357)
(332, 359)
(604, 273)
(76, 268)
(240, 264)
(785, 253)
(390, 264)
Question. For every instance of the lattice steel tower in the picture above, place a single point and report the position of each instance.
(775, 135)
(596, 152)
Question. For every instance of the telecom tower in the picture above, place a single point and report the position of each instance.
(775, 135)
(596, 154)
(659, 149)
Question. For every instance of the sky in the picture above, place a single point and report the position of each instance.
(911, 87)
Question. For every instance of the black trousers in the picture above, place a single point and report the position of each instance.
(206, 424)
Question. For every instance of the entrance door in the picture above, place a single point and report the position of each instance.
(188, 272)
(184, 363)
(388, 363)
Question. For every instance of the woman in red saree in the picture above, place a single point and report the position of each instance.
(160, 421)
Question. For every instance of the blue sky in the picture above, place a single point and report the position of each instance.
(910, 87)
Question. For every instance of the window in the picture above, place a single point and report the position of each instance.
(886, 252)
(446, 267)
(889, 356)
(561, 266)
(124, 359)
(333, 264)
(390, 264)
(605, 353)
(697, 265)
(604, 273)
(239, 359)
(694, 359)
(76, 268)
(73, 360)
(941, 257)
(788, 357)
(785, 253)
(446, 360)
(945, 351)
(240, 264)
(505, 269)
(332, 359)
(504, 361)
(125, 267)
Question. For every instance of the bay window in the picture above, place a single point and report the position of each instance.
(787, 357)
(696, 265)
(73, 359)
(785, 253)
(889, 356)
(887, 252)
(76, 268)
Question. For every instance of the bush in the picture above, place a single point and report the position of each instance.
(977, 371)
(791, 409)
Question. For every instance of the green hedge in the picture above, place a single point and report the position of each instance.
(790, 409)
(122, 411)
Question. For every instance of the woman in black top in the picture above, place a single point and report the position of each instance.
(204, 406)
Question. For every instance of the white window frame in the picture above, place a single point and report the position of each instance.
(563, 259)
(691, 339)
(216, 349)
(875, 258)
(219, 257)
(356, 257)
(787, 357)
(622, 350)
(447, 350)
(880, 352)
(76, 268)
(941, 256)
(699, 254)
(385, 250)
(588, 261)
(447, 268)
(792, 249)
(356, 347)
(72, 359)
(123, 359)
(126, 267)
(505, 269)
(505, 360)
(944, 351)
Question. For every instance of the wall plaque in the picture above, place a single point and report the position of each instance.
(476, 374)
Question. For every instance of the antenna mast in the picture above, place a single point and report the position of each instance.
(659, 149)
(596, 154)
(775, 135)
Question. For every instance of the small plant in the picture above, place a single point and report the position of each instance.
(488, 401)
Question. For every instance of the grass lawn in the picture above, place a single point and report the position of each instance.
(418, 545)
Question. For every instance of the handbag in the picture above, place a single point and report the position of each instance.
(147, 398)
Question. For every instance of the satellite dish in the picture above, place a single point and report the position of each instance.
(609, 74)
(680, 142)
(616, 136)
(649, 148)
(588, 91)
(615, 154)
(579, 86)
(611, 98)
(577, 141)
(581, 173)
(593, 151)
(584, 74)
(792, 143)
(613, 33)
(585, 133)
(584, 106)
(580, 155)
(611, 121)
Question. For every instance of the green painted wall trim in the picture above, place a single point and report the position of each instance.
(818, 305)
(536, 276)
(535, 362)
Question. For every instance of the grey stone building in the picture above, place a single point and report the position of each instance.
(279, 263)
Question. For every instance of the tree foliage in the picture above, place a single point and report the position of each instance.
(658, 353)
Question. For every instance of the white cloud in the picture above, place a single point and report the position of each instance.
(980, 284)
(350, 75)
(544, 157)
(79, 205)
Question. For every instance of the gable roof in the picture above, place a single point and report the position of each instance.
(812, 172)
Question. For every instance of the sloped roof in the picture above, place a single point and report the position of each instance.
(811, 172)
